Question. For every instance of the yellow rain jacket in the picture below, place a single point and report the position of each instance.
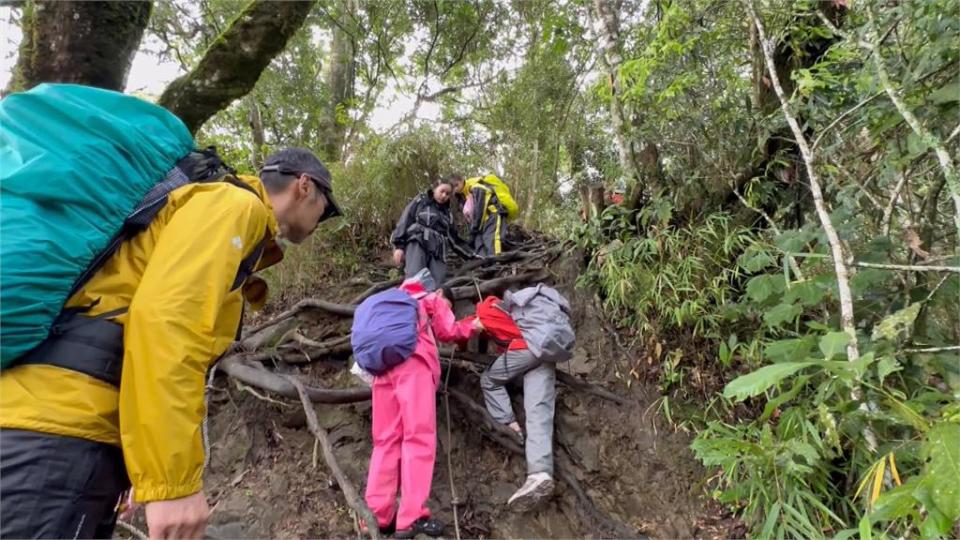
(175, 278)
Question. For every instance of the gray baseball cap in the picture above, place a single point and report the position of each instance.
(297, 161)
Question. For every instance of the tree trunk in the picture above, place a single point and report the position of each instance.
(89, 43)
(534, 185)
(610, 46)
(256, 133)
(651, 172)
(233, 63)
(341, 72)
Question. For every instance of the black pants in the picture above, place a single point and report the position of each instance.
(58, 487)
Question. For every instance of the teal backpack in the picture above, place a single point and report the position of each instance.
(81, 170)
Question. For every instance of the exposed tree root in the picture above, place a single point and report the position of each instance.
(602, 524)
(267, 380)
(349, 491)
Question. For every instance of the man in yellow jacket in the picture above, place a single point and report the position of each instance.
(171, 301)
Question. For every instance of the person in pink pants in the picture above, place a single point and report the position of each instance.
(405, 422)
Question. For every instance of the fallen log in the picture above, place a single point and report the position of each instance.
(349, 492)
(272, 382)
(502, 435)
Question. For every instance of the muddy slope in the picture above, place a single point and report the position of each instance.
(266, 479)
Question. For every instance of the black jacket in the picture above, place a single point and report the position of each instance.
(428, 223)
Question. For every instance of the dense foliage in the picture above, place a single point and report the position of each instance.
(826, 413)
(718, 259)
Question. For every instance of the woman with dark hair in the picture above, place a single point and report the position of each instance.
(425, 231)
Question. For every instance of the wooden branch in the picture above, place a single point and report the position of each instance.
(933, 349)
(847, 321)
(349, 492)
(885, 266)
(323, 347)
(943, 156)
(836, 247)
(498, 285)
(233, 63)
(910, 267)
(505, 437)
(375, 288)
(343, 310)
(261, 378)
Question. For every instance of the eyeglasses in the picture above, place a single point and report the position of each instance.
(330, 210)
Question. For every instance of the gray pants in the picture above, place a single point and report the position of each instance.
(417, 259)
(539, 395)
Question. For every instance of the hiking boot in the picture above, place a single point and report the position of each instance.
(536, 488)
(428, 526)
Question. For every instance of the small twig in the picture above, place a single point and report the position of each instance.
(346, 486)
(884, 266)
(848, 112)
(774, 228)
(137, 533)
(258, 395)
(910, 267)
(454, 500)
(888, 211)
(933, 349)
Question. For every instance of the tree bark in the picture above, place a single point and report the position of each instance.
(233, 63)
(610, 45)
(340, 76)
(90, 43)
(256, 133)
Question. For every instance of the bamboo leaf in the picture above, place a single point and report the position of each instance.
(760, 380)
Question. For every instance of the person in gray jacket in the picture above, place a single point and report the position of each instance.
(539, 395)
(425, 231)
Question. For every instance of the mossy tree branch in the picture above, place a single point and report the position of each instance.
(232, 65)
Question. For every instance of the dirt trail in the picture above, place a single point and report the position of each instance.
(267, 479)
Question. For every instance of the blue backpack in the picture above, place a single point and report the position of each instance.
(384, 331)
(81, 171)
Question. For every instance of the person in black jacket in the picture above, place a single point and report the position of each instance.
(425, 231)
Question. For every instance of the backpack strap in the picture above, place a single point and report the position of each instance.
(90, 345)
(138, 220)
(94, 345)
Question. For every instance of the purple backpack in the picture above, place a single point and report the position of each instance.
(384, 331)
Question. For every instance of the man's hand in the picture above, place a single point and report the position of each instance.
(398, 257)
(178, 518)
(477, 325)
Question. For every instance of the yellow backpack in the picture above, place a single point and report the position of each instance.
(501, 189)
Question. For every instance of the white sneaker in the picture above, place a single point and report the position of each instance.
(537, 486)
